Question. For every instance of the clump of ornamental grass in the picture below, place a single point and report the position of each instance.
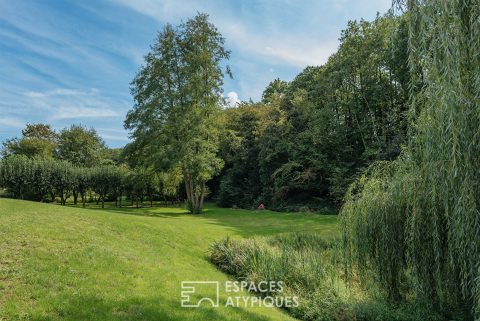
(310, 268)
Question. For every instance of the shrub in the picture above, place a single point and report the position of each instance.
(312, 269)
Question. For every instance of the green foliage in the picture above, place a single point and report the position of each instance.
(63, 180)
(80, 146)
(274, 91)
(83, 180)
(42, 179)
(240, 182)
(16, 174)
(170, 181)
(38, 140)
(311, 269)
(112, 156)
(177, 101)
(415, 223)
(37, 178)
(75, 144)
(105, 180)
(374, 218)
(40, 183)
(143, 182)
(309, 139)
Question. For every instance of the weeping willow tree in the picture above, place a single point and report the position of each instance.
(415, 223)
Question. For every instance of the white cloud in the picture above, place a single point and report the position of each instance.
(64, 103)
(11, 122)
(296, 50)
(165, 11)
(73, 112)
(47, 36)
(283, 34)
(232, 99)
(113, 134)
(277, 43)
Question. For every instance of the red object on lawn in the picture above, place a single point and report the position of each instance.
(261, 207)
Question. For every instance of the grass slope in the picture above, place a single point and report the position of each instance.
(65, 263)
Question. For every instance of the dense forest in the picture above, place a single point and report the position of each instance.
(307, 140)
(310, 138)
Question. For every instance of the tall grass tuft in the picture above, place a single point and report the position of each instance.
(311, 269)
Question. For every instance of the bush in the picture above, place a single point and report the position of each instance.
(312, 269)
(46, 179)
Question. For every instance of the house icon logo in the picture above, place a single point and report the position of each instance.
(193, 293)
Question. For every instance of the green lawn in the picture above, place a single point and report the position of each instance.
(65, 263)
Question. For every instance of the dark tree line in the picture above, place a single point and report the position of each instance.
(310, 138)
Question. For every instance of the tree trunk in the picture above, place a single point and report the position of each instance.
(75, 197)
(202, 197)
(189, 194)
(194, 200)
(103, 202)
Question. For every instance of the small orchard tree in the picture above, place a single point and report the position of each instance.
(63, 180)
(16, 175)
(83, 178)
(122, 186)
(104, 179)
(139, 178)
(42, 178)
(152, 185)
(116, 180)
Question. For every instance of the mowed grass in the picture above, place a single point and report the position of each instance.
(67, 263)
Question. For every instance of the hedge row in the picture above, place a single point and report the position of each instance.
(47, 179)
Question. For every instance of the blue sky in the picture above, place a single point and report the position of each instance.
(71, 62)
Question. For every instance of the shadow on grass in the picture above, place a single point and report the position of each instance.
(95, 308)
(269, 223)
(246, 223)
(155, 211)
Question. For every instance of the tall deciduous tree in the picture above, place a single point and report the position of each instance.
(178, 96)
(38, 140)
